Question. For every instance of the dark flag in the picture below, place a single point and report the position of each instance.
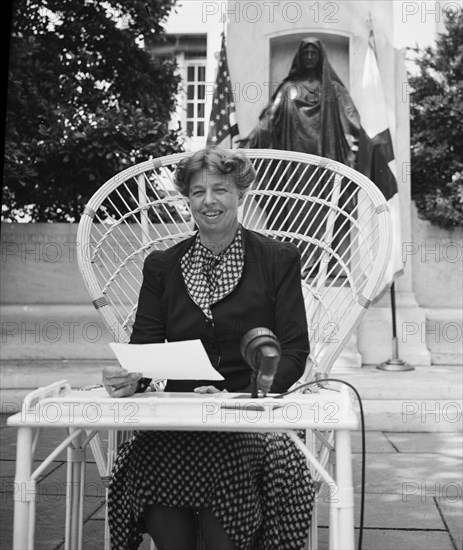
(376, 154)
(223, 116)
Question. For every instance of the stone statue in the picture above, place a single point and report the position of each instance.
(311, 110)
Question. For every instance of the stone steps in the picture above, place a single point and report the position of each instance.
(19, 377)
(443, 333)
(76, 331)
(53, 332)
(427, 399)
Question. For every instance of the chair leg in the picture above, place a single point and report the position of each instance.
(312, 539)
(76, 456)
(98, 454)
(107, 539)
(104, 469)
(115, 438)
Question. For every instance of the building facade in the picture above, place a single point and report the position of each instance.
(262, 38)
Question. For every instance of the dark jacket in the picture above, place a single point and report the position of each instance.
(268, 295)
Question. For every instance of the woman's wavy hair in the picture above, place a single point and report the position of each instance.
(217, 161)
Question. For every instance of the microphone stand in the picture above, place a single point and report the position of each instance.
(254, 384)
(394, 364)
(261, 350)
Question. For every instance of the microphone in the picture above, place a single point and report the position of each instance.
(261, 350)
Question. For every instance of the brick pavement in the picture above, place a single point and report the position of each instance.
(413, 487)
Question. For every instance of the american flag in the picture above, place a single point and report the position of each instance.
(223, 121)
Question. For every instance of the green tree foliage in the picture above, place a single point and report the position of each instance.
(85, 100)
(437, 127)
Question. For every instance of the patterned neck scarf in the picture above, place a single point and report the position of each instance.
(210, 277)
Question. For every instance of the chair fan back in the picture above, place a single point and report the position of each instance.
(336, 217)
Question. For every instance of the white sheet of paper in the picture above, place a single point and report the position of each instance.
(185, 360)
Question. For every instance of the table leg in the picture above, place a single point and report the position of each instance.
(24, 492)
(344, 507)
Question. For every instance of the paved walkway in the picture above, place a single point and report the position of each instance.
(414, 468)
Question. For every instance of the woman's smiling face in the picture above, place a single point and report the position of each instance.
(214, 200)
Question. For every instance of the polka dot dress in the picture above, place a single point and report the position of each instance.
(257, 485)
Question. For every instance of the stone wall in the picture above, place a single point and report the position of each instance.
(436, 256)
(39, 264)
(46, 309)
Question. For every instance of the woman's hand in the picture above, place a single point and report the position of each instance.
(208, 389)
(120, 383)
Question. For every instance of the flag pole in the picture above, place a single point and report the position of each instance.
(222, 120)
(395, 363)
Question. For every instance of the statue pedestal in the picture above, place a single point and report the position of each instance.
(375, 331)
(350, 356)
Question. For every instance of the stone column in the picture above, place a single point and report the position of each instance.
(410, 317)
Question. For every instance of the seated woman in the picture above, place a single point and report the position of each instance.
(245, 491)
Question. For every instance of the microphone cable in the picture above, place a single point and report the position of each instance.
(318, 382)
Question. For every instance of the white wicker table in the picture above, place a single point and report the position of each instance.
(86, 413)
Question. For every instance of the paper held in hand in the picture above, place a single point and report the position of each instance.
(185, 360)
